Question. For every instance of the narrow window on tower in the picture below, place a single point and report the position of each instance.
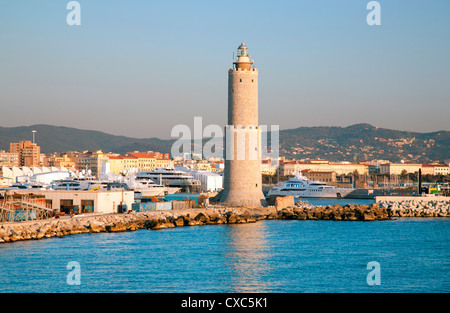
(240, 80)
(252, 80)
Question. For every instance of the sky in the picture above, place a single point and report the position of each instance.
(139, 68)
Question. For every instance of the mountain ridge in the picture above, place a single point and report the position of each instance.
(355, 142)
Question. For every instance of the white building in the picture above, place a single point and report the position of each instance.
(84, 200)
(44, 178)
(209, 181)
(10, 174)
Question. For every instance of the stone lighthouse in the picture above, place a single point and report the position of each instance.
(242, 177)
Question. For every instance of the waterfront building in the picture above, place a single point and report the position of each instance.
(219, 166)
(399, 168)
(129, 163)
(435, 169)
(145, 161)
(269, 167)
(121, 164)
(242, 176)
(441, 169)
(162, 162)
(205, 165)
(9, 158)
(11, 174)
(290, 168)
(427, 169)
(323, 176)
(374, 165)
(212, 165)
(161, 159)
(79, 159)
(209, 182)
(86, 201)
(115, 164)
(138, 161)
(159, 155)
(29, 154)
(92, 161)
(58, 160)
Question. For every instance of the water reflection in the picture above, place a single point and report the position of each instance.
(247, 257)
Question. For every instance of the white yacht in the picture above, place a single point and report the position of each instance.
(77, 184)
(27, 185)
(148, 188)
(301, 187)
(143, 187)
(66, 184)
(169, 177)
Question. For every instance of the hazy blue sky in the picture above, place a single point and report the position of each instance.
(138, 68)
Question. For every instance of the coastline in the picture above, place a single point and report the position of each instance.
(214, 215)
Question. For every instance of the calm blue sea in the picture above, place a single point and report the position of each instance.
(267, 256)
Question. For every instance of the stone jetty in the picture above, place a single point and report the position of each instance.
(416, 206)
(157, 220)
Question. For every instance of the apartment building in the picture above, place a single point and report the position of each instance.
(398, 168)
(292, 167)
(29, 154)
(9, 158)
(323, 176)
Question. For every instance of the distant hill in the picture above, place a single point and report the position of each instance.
(352, 143)
(364, 142)
(60, 139)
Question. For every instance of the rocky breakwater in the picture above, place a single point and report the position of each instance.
(417, 208)
(350, 212)
(303, 210)
(41, 229)
(156, 220)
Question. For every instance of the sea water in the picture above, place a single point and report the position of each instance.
(267, 256)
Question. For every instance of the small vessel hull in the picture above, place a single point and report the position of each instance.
(152, 192)
(336, 193)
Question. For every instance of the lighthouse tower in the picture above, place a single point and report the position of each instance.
(242, 177)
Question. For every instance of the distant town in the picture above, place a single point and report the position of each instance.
(25, 157)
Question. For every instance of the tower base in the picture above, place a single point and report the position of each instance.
(243, 184)
(234, 201)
